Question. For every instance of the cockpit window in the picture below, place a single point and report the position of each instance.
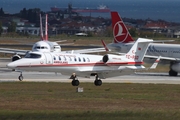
(38, 47)
(33, 55)
(42, 47)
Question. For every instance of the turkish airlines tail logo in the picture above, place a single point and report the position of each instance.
(120, 32)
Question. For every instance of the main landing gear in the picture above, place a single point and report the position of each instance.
(75, 81)
(20, 77)
(98, 81)
(172, 73)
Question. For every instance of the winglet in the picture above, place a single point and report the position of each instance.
(104, 44)
(154, 65)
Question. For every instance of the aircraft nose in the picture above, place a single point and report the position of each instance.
(11, 65)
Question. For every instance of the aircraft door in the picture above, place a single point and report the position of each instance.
(49, 58)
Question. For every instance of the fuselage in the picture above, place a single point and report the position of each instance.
(154, 49)
(69, 63)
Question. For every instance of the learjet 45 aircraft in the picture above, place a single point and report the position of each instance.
(170, 53)
(84, 65)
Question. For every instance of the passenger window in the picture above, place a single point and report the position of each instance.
(64, 58)
(88, 59)
(54, 58)
(75, 59)
(84, 59)
(79, 59)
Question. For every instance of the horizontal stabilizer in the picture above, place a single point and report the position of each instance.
(131, 67)
(163, 41)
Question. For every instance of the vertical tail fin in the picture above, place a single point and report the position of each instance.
(120, 32)
(138, 50)
(41, 30)
(46, 28)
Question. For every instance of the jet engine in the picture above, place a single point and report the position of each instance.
(175, 67)
(111, 58)
(16, 57)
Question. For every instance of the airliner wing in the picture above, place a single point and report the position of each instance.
(93, 50)
(163, 58)
(13, 51)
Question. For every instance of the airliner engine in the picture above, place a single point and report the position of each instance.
(175, 68)
(16, 57)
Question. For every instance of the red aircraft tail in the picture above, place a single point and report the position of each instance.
(120, 32)
(46, 28)
(41, 29)
(44, 37)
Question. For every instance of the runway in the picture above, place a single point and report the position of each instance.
(7, 75)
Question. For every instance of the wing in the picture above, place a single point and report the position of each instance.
(91, 50)
(124, 70)
(13, 51)
(105, 74)
(163, 58)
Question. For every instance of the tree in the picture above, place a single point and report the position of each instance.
(23, 13)
(12, 27)
(132, 32)
(1, 30)
(1, 12)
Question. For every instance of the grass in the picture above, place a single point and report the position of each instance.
(40, 100)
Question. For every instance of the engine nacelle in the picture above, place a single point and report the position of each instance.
(111, 58)
(175, 67)
(16, 57)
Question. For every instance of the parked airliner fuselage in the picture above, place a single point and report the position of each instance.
(154, 49)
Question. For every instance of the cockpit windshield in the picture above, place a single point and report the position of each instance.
(41, 47)
(33, 55)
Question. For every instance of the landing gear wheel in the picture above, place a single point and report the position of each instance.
(172, 73)
(98, 82)
(20, 78)
(75, 82)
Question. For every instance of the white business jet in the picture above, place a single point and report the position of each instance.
(170, 53)
(84, 65)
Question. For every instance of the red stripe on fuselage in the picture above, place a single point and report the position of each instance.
(85, 64)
